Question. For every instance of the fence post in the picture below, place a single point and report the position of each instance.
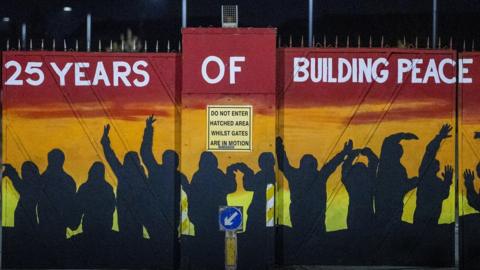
(156, 46)
(8, 44)
(348, 41)
(53, 45)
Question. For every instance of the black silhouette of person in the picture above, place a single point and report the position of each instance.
(308, 194)
(257, 234)
(28, 187)
(473, 197)
(56, 205)
(164, 180)
(96, 202)
(359, 181)
(207, 191)
(392, 181)
(431, 189)
(132, 202)
(257, 182)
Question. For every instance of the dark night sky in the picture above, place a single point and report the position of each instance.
(160, 19)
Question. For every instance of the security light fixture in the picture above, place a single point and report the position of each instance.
(229, 16)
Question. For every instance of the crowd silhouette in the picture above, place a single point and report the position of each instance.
(147, 200)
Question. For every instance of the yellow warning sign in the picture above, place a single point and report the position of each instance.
(229, 128)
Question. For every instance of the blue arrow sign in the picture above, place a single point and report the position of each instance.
(230, 218)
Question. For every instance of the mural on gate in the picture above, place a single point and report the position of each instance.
(237, 178)
(82, 187)
(367, 162)
(469, 145)
(97, 173)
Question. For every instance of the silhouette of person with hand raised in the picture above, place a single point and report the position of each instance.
(207, 191)
(131, 189)
(56, 205)
(257, 182)
(164, 180)
(359, 181)
(473, 197)
(432, 190)
(96, 202)
(257, 231)
(28, 187)
(307, 185)
(392, 180)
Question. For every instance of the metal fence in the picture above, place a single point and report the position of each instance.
(323, 41)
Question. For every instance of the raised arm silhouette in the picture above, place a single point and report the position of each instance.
(131, 189)
(56, 205)
(96, 202)
(473, 197)
(257, 183)
(165, 180)
(28, 187)
(359, 181)
(257, 233)
(208, 190)
(431, 189)
(392, 180)
(307, 185)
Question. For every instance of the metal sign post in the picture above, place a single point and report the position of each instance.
(230, 220)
